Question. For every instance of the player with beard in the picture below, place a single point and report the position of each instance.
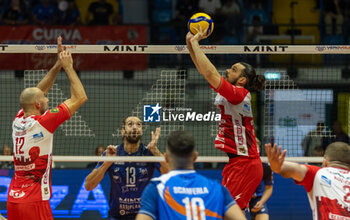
(236, 137)
(128, 179)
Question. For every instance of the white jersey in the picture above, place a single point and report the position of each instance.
(328, 191)
(236, 129)
(32, 151)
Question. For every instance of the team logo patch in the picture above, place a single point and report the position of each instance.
(38, 136)
(325, 181)
(246, 107)
(151, 113)
(46, 190)
(54, 110)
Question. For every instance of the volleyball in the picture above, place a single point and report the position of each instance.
(200, 20)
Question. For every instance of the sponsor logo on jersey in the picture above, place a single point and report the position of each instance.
(54, 110)
(241, 149)
(46, 190)
(246, 107)
(25, 167)
(38, 137)
(325, 181)
(16, 194)
(20, 133)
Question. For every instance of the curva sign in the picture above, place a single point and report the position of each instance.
(53, 33)
(102, 35)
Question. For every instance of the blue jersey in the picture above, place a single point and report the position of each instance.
(128, 181)
(266, 181)
(181, 194)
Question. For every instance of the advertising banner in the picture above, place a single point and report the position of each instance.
(81, 35)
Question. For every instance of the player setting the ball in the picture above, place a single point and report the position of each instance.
(236, 137)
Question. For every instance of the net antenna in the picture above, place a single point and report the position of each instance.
(76, 125)
(169, 92)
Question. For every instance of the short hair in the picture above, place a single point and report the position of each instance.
(129, 116)
(320, 124)
(4, 147)
(98, 147)
(181, 144)
(338, 151)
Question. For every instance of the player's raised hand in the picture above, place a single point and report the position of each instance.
(66, 59)
(189, 36)
(59, 46)
(200, 33)
(275, 156)
(111, 150)
(155, 137)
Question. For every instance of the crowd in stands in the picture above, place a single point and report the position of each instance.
(57, 12)
(236, 21)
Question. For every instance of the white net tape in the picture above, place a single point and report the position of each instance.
(215, 159)
(181, 49)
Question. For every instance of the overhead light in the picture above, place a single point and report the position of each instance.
(272, 75)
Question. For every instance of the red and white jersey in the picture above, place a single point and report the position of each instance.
(236, 128)
(328, 190)
(32, 151)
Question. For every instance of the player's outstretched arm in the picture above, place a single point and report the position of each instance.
(234, 213)
(46, 83)
(203, 64)
(284, 168)
(95, 177)
(78, 95)
(152, 146)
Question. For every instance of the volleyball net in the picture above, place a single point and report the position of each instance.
(305, 85)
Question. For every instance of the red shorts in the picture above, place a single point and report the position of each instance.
(29, 211)
(241, 176)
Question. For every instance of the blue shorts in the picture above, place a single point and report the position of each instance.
(263, 210)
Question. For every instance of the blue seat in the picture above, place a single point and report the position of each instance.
(162, 4)
(333, 39)
(161, 15)
(255, 12)
(230, 40)
(167, 35)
